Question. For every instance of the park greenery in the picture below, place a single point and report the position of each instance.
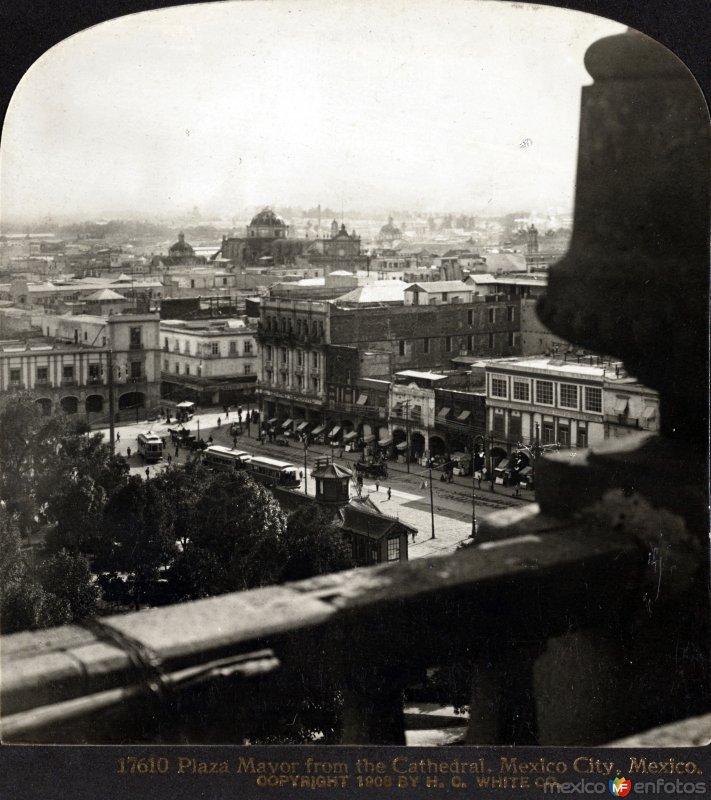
(79, 536)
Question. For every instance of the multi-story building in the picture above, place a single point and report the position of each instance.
(77, 361)
(293, 338)
(569, 403)
(211, 362)
(430, 337)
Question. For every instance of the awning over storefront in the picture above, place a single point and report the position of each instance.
(334, 431)
(319, 429)
(442, 413)
(286, 423)
(362, 400)
(302, 425)
(369, 438)
(620, 405)
(464, 415)
(385, 442)
(525, 472)
(273, 421)
(502, 466)
(401, 446)
(350, 436)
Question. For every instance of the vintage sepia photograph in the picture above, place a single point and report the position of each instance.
(354, 391)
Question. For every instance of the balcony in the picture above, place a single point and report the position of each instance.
(315, 372)
(298, 370)
(135, 346)
(42, 382)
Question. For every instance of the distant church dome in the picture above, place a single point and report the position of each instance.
(181, 247)
(267, 225)
(390, 231)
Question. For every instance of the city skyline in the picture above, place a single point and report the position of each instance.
(220, 107)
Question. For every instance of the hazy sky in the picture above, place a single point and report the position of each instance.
(398, 104)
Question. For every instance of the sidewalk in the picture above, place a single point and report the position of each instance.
(449, 530)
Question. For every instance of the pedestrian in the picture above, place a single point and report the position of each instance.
(377, 486)
(118, 436)
(148, 472)
(390, 494)
(234, 442)
(177, 449)
(209, 439)
(128, 452)
(219, 422)
(414, 534)
(170, 459)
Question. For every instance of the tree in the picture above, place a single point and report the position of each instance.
(68, 577)
(58, 591)
(314, 545)
(243, 526)
(137, 537)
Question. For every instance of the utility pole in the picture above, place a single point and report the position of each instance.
(112, 431)
(429, 464)
(407, 433)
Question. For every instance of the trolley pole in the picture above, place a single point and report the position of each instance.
(429, 464)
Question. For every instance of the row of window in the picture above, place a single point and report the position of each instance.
(493, 313)
(133, 370)
(281, 380)
(548, 432)
(569, 394)
(214, 348)
(285, 325)
(466, 343)
(301, 356)
(247, 369)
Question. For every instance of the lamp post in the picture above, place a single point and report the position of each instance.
(474, 524)
(429, 464)
(306, 474)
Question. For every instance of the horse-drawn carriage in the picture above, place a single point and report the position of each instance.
(374, 469)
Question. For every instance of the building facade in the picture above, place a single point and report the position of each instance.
(293, 338)
(573, 403)
(210, 362)
(79, 361)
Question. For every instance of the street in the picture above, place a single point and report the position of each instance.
(409, 492)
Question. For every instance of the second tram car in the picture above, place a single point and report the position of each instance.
(276, 473)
